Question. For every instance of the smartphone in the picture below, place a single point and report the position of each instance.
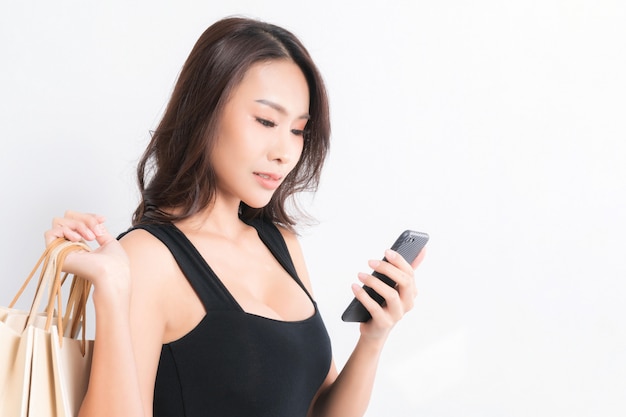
(409, 244)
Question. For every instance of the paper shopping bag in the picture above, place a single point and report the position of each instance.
(71, 364)
(44, 367)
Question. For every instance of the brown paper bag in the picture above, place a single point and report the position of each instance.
(44, 367)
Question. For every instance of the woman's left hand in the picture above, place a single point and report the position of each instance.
(398, 300)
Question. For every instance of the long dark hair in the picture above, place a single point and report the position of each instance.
(175, 176)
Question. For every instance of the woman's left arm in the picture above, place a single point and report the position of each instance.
(347, 394)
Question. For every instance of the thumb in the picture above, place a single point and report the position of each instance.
(102, 235)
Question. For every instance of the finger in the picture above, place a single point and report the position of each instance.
(90, 220)
(405, 289)
(402, 277)
(398, 260)
(76, 226)
(406, 281)
(376, 311)
(102, 235)
(73, 230)
(59, 231)
(393, 302)
(394, 258)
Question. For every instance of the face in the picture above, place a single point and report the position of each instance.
(260, 138)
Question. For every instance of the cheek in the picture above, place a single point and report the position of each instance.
(299, 154)
(236, 144)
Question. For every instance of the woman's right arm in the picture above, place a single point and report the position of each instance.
(128, 327)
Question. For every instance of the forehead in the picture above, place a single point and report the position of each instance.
(279, 81)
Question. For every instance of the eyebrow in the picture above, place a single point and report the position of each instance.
(279, 108)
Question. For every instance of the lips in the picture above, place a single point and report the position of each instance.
(268, 180)
(269, 176)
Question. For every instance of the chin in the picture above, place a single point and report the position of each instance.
(256, 203)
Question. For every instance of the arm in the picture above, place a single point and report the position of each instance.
(348, 393)
(121, 379)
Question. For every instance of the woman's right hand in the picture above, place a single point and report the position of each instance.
(114, 384)
(107, 266)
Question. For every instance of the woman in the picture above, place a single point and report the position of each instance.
(205, 307)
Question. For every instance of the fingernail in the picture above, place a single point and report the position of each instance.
(389, 254)
(374, 263)
(100, 229)
(362, 276)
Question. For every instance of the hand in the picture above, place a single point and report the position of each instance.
(107, 267)
(398, 300)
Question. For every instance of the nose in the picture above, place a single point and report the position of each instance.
(285, 148)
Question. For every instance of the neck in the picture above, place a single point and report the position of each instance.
(220, 218)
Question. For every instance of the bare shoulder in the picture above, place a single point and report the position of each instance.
(150, 260)
(293, 244)
(140, 240)
(295, 250)
(290, 237)
(144, 248)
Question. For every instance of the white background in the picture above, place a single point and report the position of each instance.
(498, 127)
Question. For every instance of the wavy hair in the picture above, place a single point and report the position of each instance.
(175, 175)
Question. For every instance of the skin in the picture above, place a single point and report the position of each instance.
(143, 300)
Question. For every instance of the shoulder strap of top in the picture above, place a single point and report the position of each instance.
(274, 240)
(206, 284)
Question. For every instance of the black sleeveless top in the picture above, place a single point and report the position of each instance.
(234, 363)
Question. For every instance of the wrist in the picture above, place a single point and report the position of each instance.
(112, 294)
(372, 345)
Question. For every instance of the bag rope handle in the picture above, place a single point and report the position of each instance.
(51, 263)
(64, 250)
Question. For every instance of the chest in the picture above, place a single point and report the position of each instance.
(248, 279)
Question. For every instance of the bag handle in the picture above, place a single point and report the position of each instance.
(76, 306)
(79, 291)
(44, 259)
(51, 263)
(75, 318)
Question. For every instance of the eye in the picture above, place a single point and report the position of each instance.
(265, 122)
(298, 132)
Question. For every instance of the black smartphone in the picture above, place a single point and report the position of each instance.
(409, 244)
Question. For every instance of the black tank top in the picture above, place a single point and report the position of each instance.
(234, 363)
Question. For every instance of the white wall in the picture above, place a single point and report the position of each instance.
(496, 126)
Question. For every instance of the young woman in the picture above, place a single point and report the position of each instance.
(204, 307)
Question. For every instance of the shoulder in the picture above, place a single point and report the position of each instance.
(140, 244)
(150, 260)
(291, 239)
(297, 256)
